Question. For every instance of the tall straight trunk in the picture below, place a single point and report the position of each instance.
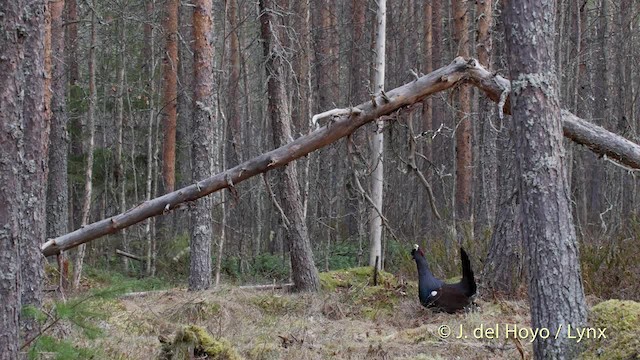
(601, 92)
(170, 94)
(304, 272)
(304, 103)
(12, 208)
(90, 138)
(232, 146)
(463, 123)
(486, 195)
(34, 169)
(233, 107)
(556, 294)
(57, 189)
(427, 110)
(357, 90)
(74, 113)
(120, 172)
(377, 144)
(202, 130)
(503, 268)
(151, 87)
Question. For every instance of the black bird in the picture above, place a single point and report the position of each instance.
(436, 293)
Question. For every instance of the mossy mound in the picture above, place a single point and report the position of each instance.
(194, 341)
(357, 297)
(622, 320)
(360, 276)
(275, 304)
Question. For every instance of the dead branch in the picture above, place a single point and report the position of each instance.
(129, 255)
(285, 220)
(594, 137)
(364, 193)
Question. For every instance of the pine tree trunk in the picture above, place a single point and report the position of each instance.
(151, 86)
(304, 272)
(57, 194)
(120, 169)
(202, 130)
(503, 268)
(34, 171)
(377, 144)
(12, 208)
(464, 159)
(556, 294)
(89, 147)
(170, 94)
(488, 122)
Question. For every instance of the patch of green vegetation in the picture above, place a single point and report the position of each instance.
(60, 350)
(622, 320)
(274, 304)
(117, 283)
(265, 351)
(358, 296)
(195, 341)
(358, 277)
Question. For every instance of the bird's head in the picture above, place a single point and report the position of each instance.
(417, 251)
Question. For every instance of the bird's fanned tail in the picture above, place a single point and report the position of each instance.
(468, 279)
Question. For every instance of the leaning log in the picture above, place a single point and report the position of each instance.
(339, 127)
(342, 123)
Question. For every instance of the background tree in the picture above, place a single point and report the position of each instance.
(57, 194)
(89, 138)
(202, 128)
(464, 157)
(304, 272)
(170, 94)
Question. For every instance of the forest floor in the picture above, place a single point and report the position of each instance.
(349, 319)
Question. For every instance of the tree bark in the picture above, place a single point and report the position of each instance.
(34, 170)
(170, 94)
(556, 295)
(202, 129)
(580, 131)
(11, 151)
(304, 272)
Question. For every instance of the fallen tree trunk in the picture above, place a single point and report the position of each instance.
(343, 123)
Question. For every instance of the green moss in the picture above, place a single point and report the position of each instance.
(357, 295)
(47, 347)
(622, 320)
(196, 341)
(278, 304)
(265, 351)
(359, 276)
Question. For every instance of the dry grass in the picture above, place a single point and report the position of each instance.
(332, 324)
